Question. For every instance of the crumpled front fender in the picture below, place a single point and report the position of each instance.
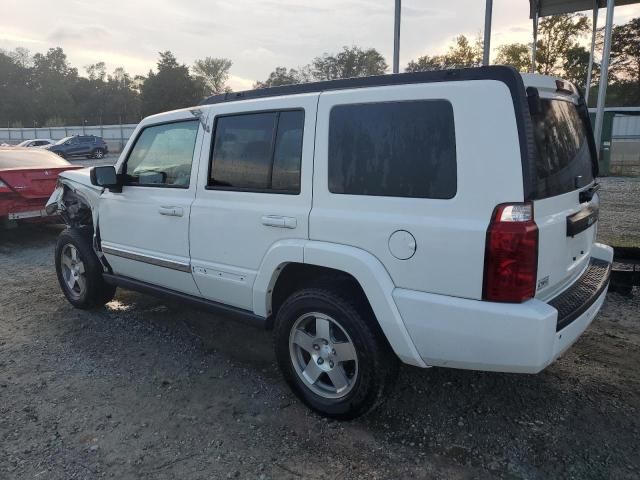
(87, 194)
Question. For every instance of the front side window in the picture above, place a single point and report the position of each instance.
(162, 155)
(258, 152)
(396, 149)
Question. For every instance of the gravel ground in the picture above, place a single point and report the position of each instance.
(619, 223)
(148, 389)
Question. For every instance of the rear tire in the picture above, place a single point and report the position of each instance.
(98, 153)
(332, 354)
(79, 271)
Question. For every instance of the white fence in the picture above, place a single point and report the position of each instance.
(116, 136)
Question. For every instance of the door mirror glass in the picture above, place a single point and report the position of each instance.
(104, 176)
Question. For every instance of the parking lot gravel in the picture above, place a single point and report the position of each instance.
(148, 389)
(619, 223)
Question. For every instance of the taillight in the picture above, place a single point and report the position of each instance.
(511, 254)
(4, 188)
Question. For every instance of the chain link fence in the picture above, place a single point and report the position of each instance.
(115, 136)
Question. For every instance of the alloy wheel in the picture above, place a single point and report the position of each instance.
(73, 271)
(323, 355)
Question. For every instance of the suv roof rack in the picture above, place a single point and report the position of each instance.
(495, 72)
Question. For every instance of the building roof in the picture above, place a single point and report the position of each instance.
(556, 7)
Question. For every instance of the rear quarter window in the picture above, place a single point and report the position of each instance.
(396, 149)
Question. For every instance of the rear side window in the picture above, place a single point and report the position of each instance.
(564, 161)
(258, 152)
(395, 149)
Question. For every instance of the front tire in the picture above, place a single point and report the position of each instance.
(331, 353)
(60, 154)
(79, 271)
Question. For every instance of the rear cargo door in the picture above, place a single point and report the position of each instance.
(565, 203)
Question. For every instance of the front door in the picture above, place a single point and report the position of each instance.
(253, 193)
(145, 228)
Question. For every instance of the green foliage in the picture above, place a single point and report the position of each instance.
(518, 55)
(556, 35)
(348, 63)
(281, 76)
(214, 73)
(575, 65)
(462, 54)
(171, 87)
(625, 51)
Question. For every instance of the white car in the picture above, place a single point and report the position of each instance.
(36, 142)
(437, 219)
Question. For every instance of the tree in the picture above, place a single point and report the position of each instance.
(518, 55)
(556, 35)
(461, 54)
(53, 79)
(464, 53)
(426, 64)
(625, 51)
(214, 73)
(575, 65)
(171, 88)
(349, 63)
(281, 76)
(17, 105)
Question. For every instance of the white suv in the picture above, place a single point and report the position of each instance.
(440, 219)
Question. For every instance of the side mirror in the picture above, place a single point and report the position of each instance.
(104, 176)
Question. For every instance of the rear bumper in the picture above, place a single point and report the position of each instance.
(476, 335)
(19, 209)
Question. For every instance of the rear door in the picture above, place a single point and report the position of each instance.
(145, 227)
(254, 190)
(567, 223)
(86, 145)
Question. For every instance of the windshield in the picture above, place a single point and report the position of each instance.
(564, 161)
(65, 139)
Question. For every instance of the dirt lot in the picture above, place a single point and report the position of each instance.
(145, 389)
(620, 213)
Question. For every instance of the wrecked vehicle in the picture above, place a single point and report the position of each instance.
(366, 221)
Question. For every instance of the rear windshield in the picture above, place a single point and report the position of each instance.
(564, 161)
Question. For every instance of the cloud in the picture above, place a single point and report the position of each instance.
(78, 33)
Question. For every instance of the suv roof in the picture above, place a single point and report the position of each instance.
(506, 74)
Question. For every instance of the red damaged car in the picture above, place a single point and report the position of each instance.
(27, 179)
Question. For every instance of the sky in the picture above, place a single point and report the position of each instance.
(257, 35)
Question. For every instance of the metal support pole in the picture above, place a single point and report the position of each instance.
(486, 49)
(593, 46)
(604, 72)
(534, 47)
(396, 38)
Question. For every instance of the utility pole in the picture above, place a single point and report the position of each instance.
(396, 39)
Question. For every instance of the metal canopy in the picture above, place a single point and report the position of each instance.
(546, 8)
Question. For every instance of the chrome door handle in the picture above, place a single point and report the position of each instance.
(171, 211)
(279, 221)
